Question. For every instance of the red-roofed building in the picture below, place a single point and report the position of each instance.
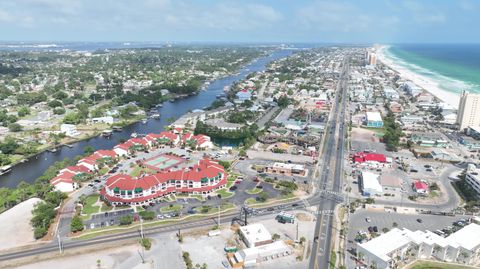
(64, 182)
(163, 138)
(105, 153)
(204, 177)
(123, 149)
(199, 141)
(420, 187)
(76, 169)
(90, 162)
(361, 157)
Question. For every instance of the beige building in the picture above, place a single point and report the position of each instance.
(468, 110)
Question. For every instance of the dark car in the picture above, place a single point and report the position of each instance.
(419, 220)
(232, 188)
(375, 229)
(370, 229)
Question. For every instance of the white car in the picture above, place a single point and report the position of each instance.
(368, 219)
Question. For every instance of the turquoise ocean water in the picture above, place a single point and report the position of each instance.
(456, 67)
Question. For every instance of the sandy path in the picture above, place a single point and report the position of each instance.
(15, 228)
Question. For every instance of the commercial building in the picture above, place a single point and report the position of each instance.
(370, 184)
(255, 235)
(470, 143)
(289, 169)
(202, 178)
(251, 256)
(435, 140)
(374, 120)
(472, 177)
(468, 110)
(260, 247)
(388, 249)
(420, 187)
(370, 158)
(473, 131)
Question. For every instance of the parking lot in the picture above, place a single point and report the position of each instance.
(107, 218)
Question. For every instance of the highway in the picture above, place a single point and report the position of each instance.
(329, 183)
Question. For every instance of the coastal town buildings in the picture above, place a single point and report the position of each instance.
(468, 110)
(373, 119)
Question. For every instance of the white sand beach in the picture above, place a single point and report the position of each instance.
(426, 83)
(15, 228)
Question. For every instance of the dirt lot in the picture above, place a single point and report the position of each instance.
(366, 135)
(15, 229)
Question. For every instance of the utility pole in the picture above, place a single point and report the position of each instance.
(218, 223)
(297, 232)
(59, 243)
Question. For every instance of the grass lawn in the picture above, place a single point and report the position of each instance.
(230, 183)
(436, 265)
(104, 170)
(139, 208)
(214, 209)
(251, 201)
(89, 208)
(170, 208)
(138, 170)
(225, 193)
(106, 208)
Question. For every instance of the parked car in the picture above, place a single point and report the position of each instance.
(419, 220)
(375, 229)
(367, 219)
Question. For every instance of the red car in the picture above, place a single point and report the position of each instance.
(238, 181)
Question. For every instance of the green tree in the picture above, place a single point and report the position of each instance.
(55, 103)
(126, 220)
(23, 111)
(15, 127)
(88, 150)
(76, 224)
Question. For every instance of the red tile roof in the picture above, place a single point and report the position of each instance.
(420, 185)
(361, 157)
(205, 168)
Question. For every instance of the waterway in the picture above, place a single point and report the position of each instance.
(35, 167)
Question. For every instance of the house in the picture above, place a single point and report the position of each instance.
(373, 120)
(122, 149)
(390, 93)
(106, 119)
(420, 187)
(69, 130)
(244, 95)
(90, 162)
(64, 182)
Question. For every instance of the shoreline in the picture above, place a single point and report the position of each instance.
(426, 83)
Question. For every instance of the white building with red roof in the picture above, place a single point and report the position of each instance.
(420, 187)
(64, 182)
(105, 153)
(90, 162)
(200, 141)
(163, 138)
(122, 149)
(204, 177)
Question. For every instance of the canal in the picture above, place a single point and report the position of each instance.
(35, 166)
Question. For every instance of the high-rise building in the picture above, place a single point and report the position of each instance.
(373, 59)
(468, 110)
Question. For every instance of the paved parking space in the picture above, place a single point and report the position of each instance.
(107, 218)
(386, 220)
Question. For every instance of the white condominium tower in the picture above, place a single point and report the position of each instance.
(468, 110)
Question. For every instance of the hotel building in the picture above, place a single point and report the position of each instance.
(468, 110)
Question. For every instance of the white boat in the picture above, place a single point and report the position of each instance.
(144, 121)
(107, 133)
(155, 116)
(5, 169)
(134, 135)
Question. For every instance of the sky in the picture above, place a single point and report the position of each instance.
(339, 21)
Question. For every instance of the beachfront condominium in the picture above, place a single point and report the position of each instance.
(468, 110)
